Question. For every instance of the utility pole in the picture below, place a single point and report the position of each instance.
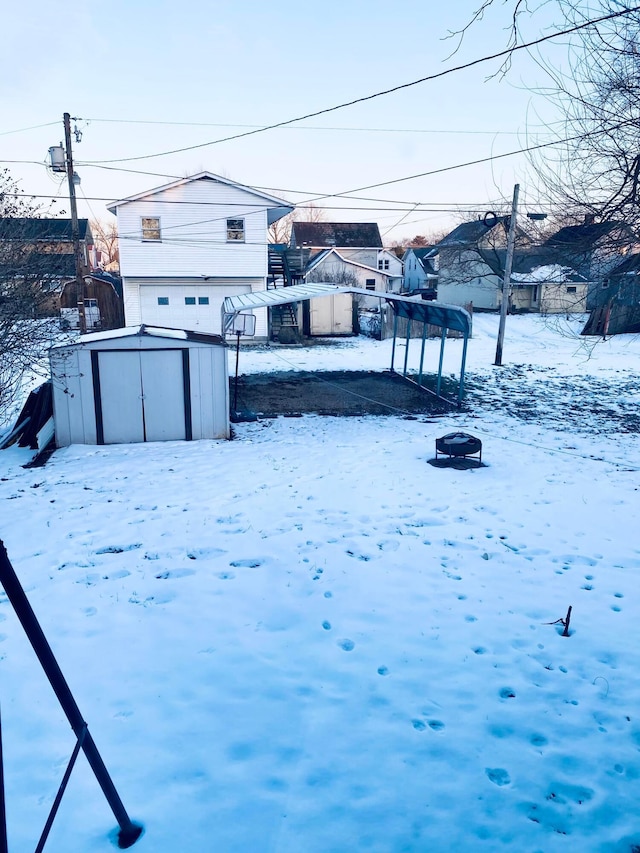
(75, 230)
(506, 281)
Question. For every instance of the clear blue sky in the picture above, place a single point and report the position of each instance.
(230, 66)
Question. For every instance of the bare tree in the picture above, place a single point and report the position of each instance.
(105, 235)
(25, 333)
(280, 231)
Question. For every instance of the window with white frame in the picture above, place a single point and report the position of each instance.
(235, 230)
(383, 264)
(151, 228)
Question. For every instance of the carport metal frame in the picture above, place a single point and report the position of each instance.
(414, 310)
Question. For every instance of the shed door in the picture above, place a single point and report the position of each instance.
(142, 396)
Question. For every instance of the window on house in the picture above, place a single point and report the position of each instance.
(370, 284)
(151, 228)
(605, 284)
(383, 264)
(163, 300)
(203, 300)
(572, 289)
(189, 300)
(235, 230)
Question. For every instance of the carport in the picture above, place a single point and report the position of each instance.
(445, 317)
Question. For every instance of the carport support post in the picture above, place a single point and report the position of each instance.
(235, 387)
(424, 339)
(129, 831)
(406, 346)
(462, 368)
(395, 332)
(443, 338)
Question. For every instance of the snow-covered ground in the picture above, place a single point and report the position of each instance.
(309, 639)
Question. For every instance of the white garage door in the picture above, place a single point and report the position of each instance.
(182, 306)
(142, 396)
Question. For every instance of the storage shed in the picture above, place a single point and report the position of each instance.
(140, 383)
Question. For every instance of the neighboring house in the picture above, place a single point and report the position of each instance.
(42, 251)
(187, 245)
(332, 266)
(464, 276)
(618, 301)
(420, 268)
(538, 284)
(102, 302)
(592, 249)
(359, 242)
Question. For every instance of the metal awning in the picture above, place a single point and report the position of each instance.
(412, 309)
(279, 296)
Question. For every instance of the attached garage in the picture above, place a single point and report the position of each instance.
(140, 384)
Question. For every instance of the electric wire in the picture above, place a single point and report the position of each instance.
(503, 53)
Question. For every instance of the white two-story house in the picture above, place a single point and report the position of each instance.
(187, 245)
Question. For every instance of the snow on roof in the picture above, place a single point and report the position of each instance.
(547, 272)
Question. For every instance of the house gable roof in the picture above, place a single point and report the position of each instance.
(326, 253)
(276, 205)
(30, 228)
(343, 235)
(470, 233)
(531, 266)
(583, 238)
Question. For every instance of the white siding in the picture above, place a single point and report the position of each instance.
(193, 224)
(141, 303)
(73, 396)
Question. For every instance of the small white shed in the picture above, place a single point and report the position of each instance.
(140, 383)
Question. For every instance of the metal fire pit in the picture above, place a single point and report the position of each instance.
(459, 444)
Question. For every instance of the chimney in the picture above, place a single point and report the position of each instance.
(589, 219)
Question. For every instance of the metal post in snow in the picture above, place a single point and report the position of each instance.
(235, 390)
(406, 346)
(129, 831)
(443, 338)
(4, 848)
(424, 339)
(393, 345)
(506, 281)
(462, 369)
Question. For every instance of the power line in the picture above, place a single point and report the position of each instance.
(440, 131)
(24, 129)
(428, 78)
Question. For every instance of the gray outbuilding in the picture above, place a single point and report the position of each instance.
(138, 384)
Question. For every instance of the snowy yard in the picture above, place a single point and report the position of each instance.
(309, 640)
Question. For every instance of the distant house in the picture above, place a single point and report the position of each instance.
(102, 302)
(42, 252)
(538, 284)
(617, 308)
(464, 274)
(187, 245)
(592, 249)
(357, 242)
(420, 268)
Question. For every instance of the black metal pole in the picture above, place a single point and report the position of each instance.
(4, 847)
(129, 831)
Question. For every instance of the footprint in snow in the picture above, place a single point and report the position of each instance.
(118, 549)
(175, 573)
(498, 776)
(246, 564)
(346, 645)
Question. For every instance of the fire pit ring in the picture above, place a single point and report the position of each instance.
(459, 444)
